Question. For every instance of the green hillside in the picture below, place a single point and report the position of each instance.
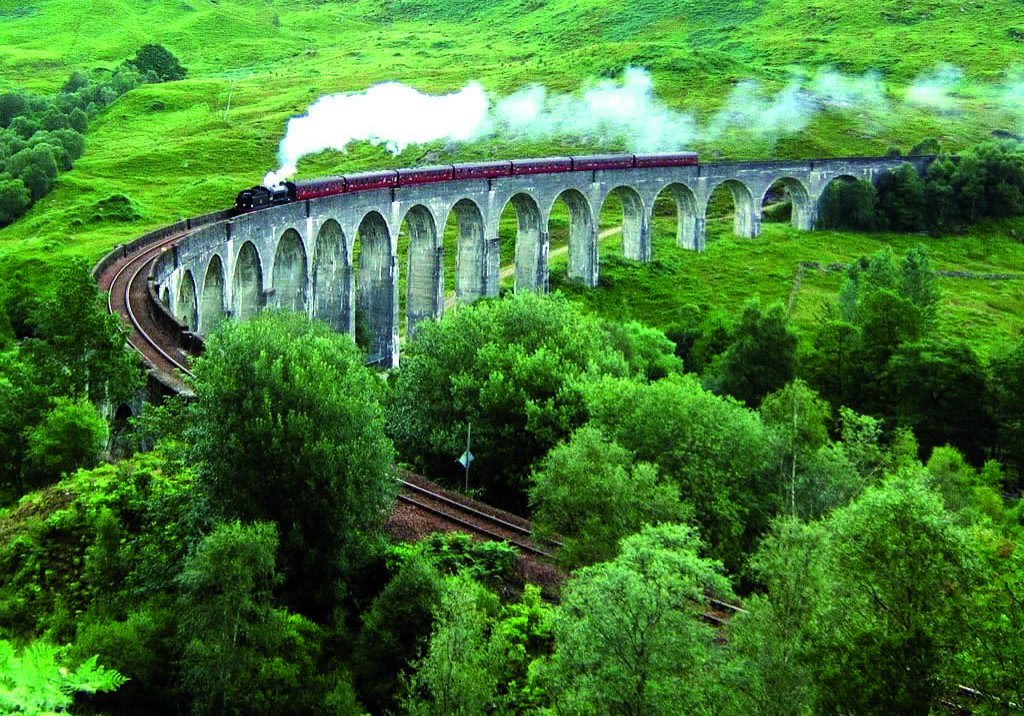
(185, 147)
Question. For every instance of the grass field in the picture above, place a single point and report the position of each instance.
(186, 147)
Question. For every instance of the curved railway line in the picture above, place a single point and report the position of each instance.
(125, 274)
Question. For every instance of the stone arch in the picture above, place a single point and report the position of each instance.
(165, 297)
(332, 278)
(377, 287)
(288, 277)
(747, 215)
(531, 245)
(211, 306)
(582, 237)
(185, 308)
(424, 269)
(689, 220)
(804, 209)
(636, 239)
(470, 252)
(247, 285)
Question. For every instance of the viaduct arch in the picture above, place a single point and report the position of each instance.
(336, 257)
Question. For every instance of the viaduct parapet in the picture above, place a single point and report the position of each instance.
(337, 256)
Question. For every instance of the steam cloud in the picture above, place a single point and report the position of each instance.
(396, 115)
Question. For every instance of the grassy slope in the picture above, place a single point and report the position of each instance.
(186, 147)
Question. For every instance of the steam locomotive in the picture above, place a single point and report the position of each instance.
(260, 197)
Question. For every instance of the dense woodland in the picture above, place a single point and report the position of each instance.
(852, 477)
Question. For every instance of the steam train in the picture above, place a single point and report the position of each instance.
(260, 197)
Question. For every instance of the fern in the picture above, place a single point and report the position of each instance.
(34, 684)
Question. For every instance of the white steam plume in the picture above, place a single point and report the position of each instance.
(934, 90)
(1012, 96)
(389, 113)
(607, 111)
(790, 110)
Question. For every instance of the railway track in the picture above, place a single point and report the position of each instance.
(128, 295)
(469, 517)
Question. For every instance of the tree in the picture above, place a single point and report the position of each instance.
(15, 199)
(1006, 382)
(509, 367)
(940, 392)
(761, 358)
(769, 669)
(901, 199)
(71, 435)
(848, 204)
(589, 492)
(717, 452)
(11, 105)
(457, 675)
(798, 416)
(287, 427)
(899, 575)
(80, 349)
(626, 638)
(160, 61)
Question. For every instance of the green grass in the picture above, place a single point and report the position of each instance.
(186, 147)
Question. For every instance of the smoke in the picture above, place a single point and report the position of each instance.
(1012, 96)
(934, 90)
(606, 112)
(389, 113)
(788, 111)
(840, 91)
(609, 112)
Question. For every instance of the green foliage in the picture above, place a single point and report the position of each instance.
(1006, 381)
(81, 350)
(626, 639)
(33, 683)
(70, 436)
(158, 60)
(399, 619)
(761, 358)
(901, 200)
(457, 553)
(900, 576)
(457, 674)
(589, 493)
(649, 353)
(287, 427)
(511, 368)
(716, 451)
(848, 205)
(14, 199)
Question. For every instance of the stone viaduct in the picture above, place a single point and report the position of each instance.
(326, 256)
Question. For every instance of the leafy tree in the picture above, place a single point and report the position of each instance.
(287, 427)
(761, 358)
(713, 337)
(394, 626)
(80, 349)
(160, 61)
(901, 199)
(15, 199)
(649, 353)
(834, 367)
(926, 147)
(798, 415)
(898, 578)
(240, 653)
(589, 493)
(11, 105)
(71, 435)
(716, 451)
(626, 639)
(457, 674)
(1006, 383)
(32, 682)
(939, 391)
(848, 205)
(769, 669)
(511, 368)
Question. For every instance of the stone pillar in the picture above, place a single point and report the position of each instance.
(542, 280)
(490, 279)
(699, 233)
